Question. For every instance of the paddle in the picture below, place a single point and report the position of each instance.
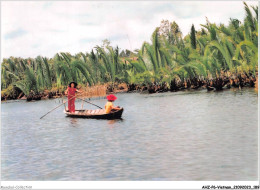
(65, 107)
(56, 107)
(90, 103)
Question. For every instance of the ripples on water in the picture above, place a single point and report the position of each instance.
(195, 135)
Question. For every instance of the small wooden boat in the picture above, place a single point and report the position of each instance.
(95, 114)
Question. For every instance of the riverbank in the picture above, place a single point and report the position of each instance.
(224, 81)
(217, 84)
(13, 93)
(100, 91)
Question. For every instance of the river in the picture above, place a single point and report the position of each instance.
(182, 136)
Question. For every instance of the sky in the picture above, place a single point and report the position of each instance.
(32, 28)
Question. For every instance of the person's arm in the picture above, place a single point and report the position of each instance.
(116, 108)
(66, 91)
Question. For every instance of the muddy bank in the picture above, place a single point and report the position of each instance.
(217, 84)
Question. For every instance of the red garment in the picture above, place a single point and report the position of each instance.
(71, 101)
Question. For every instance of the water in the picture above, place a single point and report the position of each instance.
(189, 135)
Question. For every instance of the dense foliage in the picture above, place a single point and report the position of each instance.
(208, 53)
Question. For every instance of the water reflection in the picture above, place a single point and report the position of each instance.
(111, 122)
(173, 136)
(73, 122)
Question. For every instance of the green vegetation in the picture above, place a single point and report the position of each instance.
(209, 53)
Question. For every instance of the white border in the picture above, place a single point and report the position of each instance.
(125, 184)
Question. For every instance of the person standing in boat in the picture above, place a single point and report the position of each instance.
(109, 105)
(71, 91)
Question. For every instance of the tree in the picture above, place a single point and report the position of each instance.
(193, 37)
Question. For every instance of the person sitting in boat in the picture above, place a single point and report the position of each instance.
(109, 105)
(71, 91)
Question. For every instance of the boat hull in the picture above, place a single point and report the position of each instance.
(83, 114)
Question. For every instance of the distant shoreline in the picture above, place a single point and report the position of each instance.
(126, 92)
